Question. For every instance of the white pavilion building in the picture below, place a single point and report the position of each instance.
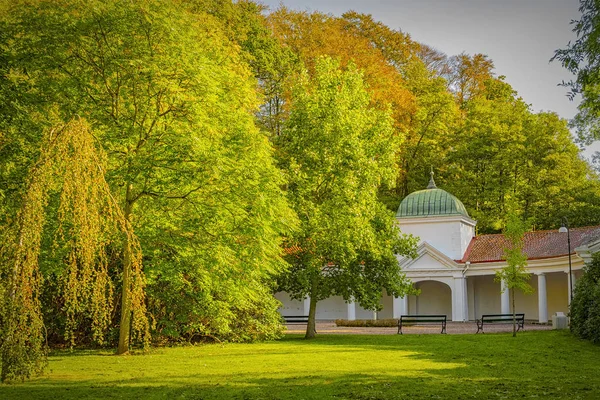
(455, 269)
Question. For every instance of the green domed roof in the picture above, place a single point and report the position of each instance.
(430, 202)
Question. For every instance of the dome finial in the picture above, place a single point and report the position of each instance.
(431, 181)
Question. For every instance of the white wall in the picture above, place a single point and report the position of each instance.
(289, 306)
(558, 293)
(361, 313)
(435, 298)
(387, 303)
(528, 303)
(388, 307)
(333, 308)
(487, 295)
(467, 233)
(425, 261)
(487, 298)
(471, 298)
(412, 305)
(448, 235)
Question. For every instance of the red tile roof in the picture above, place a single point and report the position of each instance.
(540, 244)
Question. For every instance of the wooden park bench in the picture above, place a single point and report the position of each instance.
(500, 319)
(411, 320)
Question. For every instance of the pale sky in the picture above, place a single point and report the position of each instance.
(520, 36)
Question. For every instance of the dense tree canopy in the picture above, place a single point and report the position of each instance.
(337, 150)
(229, 136)
(456, 115)
(171, 103)
(582, 58)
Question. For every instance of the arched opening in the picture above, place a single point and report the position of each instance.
(435, 298)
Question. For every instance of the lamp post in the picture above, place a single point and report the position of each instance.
(565, 229)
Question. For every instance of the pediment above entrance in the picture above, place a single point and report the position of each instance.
(428, 259)
(586, 251)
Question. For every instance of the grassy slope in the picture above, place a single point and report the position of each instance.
(535, 364)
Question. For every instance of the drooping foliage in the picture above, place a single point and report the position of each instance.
(176, 93)
(88, 221)
(337, 150)
(172, 101)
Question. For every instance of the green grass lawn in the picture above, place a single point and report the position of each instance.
(546, 364)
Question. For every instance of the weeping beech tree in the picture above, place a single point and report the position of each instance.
(89, 220)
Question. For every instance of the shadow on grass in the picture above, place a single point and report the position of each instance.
(552, 365)
(346, 386)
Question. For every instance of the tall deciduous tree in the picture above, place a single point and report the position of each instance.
(432, 117)
(484, 152)
(172, 103)
(503, 154)
(272, 63)
(337, 150)
(312, 35)
(89, 220)
(582, 58)
(468, 76)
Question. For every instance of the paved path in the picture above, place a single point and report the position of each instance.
(452, 328)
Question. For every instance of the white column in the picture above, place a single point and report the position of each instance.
(570, 278)
(504, 300)
(351, 311)
(399, 306)
(306, 305)
(396, 307)
(460, 302)
(542, 299)
(472, 312)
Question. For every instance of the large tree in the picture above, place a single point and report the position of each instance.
(172, 102)
(312, 35)
(89, 220)
(432, 115)
(582, 58)
(337, 150)
(503, 154)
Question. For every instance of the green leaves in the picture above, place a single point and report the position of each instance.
(89, 221)
(585, 307)
(582, 58)
(515, 275)
(337, 150)
(172, 102)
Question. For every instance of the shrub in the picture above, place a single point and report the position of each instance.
(380, 323)
(585, 307)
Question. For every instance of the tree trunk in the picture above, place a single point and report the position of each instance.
(125, 325)
(311, 327)
(512, 295)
